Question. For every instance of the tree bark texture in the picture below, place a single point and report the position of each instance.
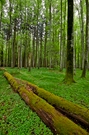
(69, 63)
(1, 46)
(73, 111)
(58, 123)
(61, 44)
(29, 61)
(13, 60)
(87, 40)
(82, 35)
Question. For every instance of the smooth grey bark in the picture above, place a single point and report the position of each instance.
(87, 40)
(13, 55)
(82, 35)
(1, 45)
(61, 43)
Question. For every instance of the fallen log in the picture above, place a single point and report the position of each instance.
(75, 112)
(58, 123)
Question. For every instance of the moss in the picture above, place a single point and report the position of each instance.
(54, 100)
(58, 123)
(68, 79)
(59, 102)
(61, 124)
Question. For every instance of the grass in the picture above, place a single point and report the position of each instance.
(16, 116)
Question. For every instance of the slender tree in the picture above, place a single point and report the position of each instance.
(61, 43)
(2, 2)
(37, 37)
(20, 40)
(50, 34)
(82, 35)
(26, 28)
(87, 39)
(64, 35)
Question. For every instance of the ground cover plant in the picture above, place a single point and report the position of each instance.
(16, 118)
(51, 80)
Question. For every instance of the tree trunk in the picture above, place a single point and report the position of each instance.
(1, 45)
(25, 51)
(64, 37)
(20, 56)
(74, 54)
(37, 38)
(29, 61)
(10, 34)
(61, 44)
(36, 48)
(45, 45)
(41, 50)
(73, 111)
(58, 123)
(82, 36)
(87, 39)
(14, 46)
(33, 49)
(20, 42)
(50, 34)
(69, 64)
(1, 58)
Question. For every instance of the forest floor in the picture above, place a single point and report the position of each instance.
(16, 118)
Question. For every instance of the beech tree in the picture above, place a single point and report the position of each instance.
(2, 3)
(82, 35)
(41, 29)
(61, 44)
(69, 63)
(87, 40)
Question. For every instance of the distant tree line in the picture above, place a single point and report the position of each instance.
(39, 29)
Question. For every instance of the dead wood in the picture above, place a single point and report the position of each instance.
(57, 122)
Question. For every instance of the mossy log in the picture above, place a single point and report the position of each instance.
(58, 123)
(75, 112)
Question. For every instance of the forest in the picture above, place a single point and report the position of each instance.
(44, 67)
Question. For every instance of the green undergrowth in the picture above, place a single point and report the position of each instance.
(16, 118)
(52, 81)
